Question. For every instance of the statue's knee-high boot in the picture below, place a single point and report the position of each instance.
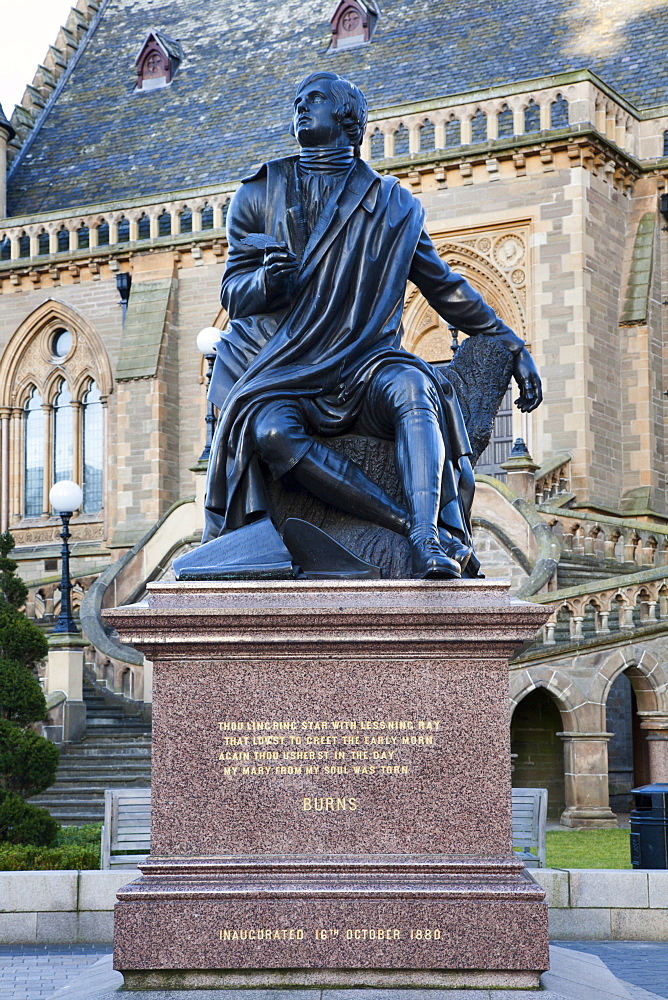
(420, 457)
(339, 481)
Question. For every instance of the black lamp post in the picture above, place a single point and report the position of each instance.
(206, 345)
(65, 497)
(454, 343)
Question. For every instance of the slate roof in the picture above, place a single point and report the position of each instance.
(229, 104)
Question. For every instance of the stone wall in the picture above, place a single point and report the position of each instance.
(76, 907)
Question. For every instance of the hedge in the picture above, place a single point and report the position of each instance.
(28, 858)
(77, 847)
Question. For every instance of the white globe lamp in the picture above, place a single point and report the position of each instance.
(206, 345)
(65, 497)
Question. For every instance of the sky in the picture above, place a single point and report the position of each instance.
(27, 29)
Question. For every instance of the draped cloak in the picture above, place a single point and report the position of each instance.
(338, 322)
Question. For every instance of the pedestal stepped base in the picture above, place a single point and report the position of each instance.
(331, 788)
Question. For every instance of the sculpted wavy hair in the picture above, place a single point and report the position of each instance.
(351, 105)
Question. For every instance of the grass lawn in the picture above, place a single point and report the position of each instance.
(588, 849)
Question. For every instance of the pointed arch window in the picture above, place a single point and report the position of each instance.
(92, 448)
(55, 379)
(33, 436)
(63, 434)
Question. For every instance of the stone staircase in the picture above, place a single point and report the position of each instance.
(575, 569)
(116, 753)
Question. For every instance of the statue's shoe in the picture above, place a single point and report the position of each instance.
(430, 561)
(455, 549)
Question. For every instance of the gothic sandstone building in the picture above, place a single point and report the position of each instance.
(534, 133)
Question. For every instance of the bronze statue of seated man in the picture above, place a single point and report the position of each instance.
(320, 250)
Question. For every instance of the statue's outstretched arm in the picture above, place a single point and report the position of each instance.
(455, 299)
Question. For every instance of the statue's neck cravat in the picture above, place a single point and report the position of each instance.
(320, 170)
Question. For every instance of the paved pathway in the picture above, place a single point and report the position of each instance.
(83, 972)
(643, 963)
(35, 972)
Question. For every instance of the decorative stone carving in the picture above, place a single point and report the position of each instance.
(494, 263)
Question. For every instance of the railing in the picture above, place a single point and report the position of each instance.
(43, 600)
(574, 101)
(610, 541)
(553, 478)
(193, 217)
(552, 103)
(606, 609)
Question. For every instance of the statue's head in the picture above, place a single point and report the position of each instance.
(329, 110)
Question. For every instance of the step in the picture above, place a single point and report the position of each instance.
(101, 772)
(92, 787)
(94, 725)
(115, 774)
(67, 818)
(73, 802)
(119, 734)
(104, 753)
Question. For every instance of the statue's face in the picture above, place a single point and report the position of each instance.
(313, 117)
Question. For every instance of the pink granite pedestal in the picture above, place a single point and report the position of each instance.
(331, 788)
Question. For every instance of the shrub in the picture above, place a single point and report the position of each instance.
(21, 697)
(75, 847)
(86, 835)
(23, 823)
(28, 762)
(20, 639)
(27, 858)
(13, 590)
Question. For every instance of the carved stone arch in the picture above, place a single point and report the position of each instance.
(27, 355)
(426, 334)
(52, 385)
(24, 391)
(561, 688)
(647, 674)
(82, 383)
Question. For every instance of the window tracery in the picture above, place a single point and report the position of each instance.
(353, 23)
(54, 382)
(157, 61)
(33, 461)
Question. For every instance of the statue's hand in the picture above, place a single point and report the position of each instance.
(279, 266)
(526, 375)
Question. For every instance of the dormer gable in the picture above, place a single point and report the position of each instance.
(157, 61)
(353, 23)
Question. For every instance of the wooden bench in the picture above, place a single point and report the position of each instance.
(126, 834)
(529, 825)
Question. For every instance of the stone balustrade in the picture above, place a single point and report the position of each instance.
(621, 544)
(570, 100)
(605, 609)
(193, 216)
(553, 478)
(553, 105)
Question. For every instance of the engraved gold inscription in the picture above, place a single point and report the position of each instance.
(387, 935)
(282, 748)
(261, 934)
(329, 804)
(293, 725)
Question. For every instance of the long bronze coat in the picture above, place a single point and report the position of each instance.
(339, 322)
